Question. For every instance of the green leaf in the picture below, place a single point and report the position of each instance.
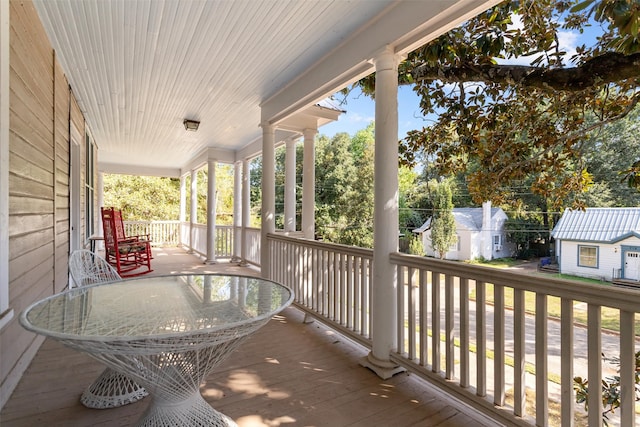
(581, 6)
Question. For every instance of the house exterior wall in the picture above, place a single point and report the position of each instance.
(505, 249)
(464, 251)
(426, 244)
(475, 245)
(609, 258)
(472, 244)
(38, 190)
(464, 246)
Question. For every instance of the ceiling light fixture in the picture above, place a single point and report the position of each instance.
(191, 125)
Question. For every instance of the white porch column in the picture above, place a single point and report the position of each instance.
(309, 184)
(211, 212)
(290, 185)
(183, 207)
(385, 217)
(246, 209)
(237, 211)
(193, 217)
(268, 217)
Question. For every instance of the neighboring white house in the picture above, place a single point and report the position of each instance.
(480, 233)
(602, 243)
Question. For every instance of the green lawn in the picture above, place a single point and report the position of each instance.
(498, 262)
(610, 316)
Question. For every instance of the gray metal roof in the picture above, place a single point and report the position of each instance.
(469, 218)
(598, 224)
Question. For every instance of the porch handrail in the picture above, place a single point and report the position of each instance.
(435, 337)
(162, 233)
(423, 355)
(252, 245)
(167, 233)
(330, 281)
(197, 243)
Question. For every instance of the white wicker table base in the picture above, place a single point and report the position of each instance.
(164, 333)
(173, 380)
(193, 411)
(111, 390)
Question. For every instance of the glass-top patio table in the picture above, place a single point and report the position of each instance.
(165, 332)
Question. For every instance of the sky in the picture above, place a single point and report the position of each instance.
(361, 109)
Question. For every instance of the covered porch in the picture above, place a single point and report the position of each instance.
(471, 350)
(290, 373)
(483, 336)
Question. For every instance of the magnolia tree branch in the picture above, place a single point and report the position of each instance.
(632, 104)
(607, 68)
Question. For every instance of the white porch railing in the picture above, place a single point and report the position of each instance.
(469, 330)
(224, 239)
(330, 281)
(253, 246)
(173, 233)
(465, 328)
(162, 233)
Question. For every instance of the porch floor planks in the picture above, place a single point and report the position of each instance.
(288, 374)
(49, 393)
(318, 359)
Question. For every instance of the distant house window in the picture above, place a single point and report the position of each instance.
(455, 246)
(497, 242)
(588, 256)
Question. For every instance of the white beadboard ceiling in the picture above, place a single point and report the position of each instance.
(138, 68)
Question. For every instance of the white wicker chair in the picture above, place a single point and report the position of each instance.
(111, 389)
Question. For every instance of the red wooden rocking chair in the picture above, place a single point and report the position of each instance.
(130, 255)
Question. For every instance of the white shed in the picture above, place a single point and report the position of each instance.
(601, 243)
(480, 233)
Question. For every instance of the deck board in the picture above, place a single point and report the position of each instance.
(287, 374)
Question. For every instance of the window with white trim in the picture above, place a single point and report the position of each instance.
(497, 242)
(455, 246)
(588, 256)
(89, 186)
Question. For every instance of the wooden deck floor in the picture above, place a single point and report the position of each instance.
(287, 374)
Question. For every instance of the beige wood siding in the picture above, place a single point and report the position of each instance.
(38, 183)
(61, 178)
(30, 178)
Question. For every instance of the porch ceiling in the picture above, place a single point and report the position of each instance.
(138, 68)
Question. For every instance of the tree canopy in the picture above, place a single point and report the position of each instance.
(150, 198)
(143, 198)
(344, 188)
(514, 122)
